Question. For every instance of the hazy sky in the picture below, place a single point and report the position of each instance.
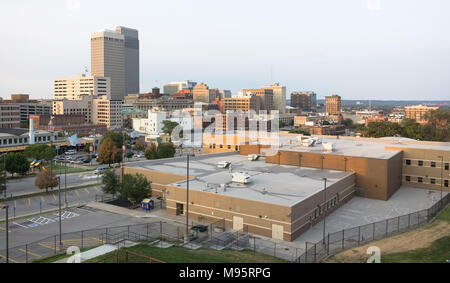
(397, 50)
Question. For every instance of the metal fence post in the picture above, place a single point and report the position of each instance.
(373, 232)
(343, 239)
(26, 253)
(387, 227)
(328, 245)
(55, 244)
(147, 231)
(409, 220)
(315, 253)
(275, 250)
(82, 240)
(306, 252)
(359, 235)
(398, 222)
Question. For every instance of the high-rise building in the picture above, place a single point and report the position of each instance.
(265, 96)
(244, 104)
(108, 60)
(202, 93)
(28, 107)
(333, 105)
(75, 88)
(132, 77)
(9, 116)
(305, 100)
(279, 97)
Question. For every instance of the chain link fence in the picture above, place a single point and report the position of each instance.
(212, 234)
(354, 237)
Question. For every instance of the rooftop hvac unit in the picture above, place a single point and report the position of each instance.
(253, 157)
(241, 178)
(223, 187)
(328, 146)
(300, 139)
(309, 143)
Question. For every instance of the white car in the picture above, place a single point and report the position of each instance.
(71, 152)
(101, 170)
(223, 164)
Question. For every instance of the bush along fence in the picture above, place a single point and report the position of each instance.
(354, 237)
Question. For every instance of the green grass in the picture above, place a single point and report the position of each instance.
(438, 252)
(182, 255)
(57, 257)
(445, 215)
(58, 169)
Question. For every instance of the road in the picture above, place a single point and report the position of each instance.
(34, 205)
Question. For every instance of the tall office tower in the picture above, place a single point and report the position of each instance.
(202, 93)
(132, 79)
(279, 97)
(265, 95)
(305, 100)
(108, 60)
(333, 105)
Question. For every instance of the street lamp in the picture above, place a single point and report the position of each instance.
(6, 207)
(442, 178)
(324, 206)
(60, 228)
(190, 152)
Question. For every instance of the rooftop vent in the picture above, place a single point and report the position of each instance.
(328, 146)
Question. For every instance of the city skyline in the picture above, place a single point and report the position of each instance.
(396, 52)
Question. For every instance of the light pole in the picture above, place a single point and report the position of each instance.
(60, 228)
(442, 178)
(324, 207)
(4, 174)
(188, 156)
(6, 208)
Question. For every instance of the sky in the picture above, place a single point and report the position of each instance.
(359, 49)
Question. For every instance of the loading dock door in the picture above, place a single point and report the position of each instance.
(238, 223)
(278, 232)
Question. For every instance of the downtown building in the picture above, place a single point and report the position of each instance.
(305, 100)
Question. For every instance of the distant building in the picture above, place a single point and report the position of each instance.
(174, 87)
(305, 100)
(132, 77)
(333, 105)
(202, 93)
(244, 104)
(77, 87)
(266, 97)
(164, 103)
(279, 97)
(18, 139)
(108, 60)
(153, 125)
(9, 116)
(418, 113)
(27, 107)
(67, 123)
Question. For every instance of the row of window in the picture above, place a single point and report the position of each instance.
(421, 180)
(322, 209)
(433, 164)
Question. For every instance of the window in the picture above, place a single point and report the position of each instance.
(408, 178)
(446, 166)
(446, 183)
(420, 163)
(408, 162)
(420, 179)
(433, 164)
(433, 181)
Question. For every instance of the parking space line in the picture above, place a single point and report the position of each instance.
(10, 259)
(33, 254)
(3, 229)
(76, 192)
(20, 225)
(42, 199)
(29, 202)
(54, 197)
(87, 191)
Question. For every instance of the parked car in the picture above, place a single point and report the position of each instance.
(101, 170)
(71, 152)
(223, 164)
(140, 155)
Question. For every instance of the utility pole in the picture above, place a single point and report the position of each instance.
(6, 207)
(324, 208)
(60, 220)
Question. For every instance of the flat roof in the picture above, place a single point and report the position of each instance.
(270, 183)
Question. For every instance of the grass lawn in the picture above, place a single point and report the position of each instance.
(438, 252)
(58, 169)
(182, 255)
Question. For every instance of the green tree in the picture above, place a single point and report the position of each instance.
(17, 163)
(45, 180)
(169, 126)
(139, 146)
(118, 138)
(438, 118)
(40, 152)
(166, 151)
(349, 123)
(109, 153)
(111, 182)
(135, 188)
(151, 152)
